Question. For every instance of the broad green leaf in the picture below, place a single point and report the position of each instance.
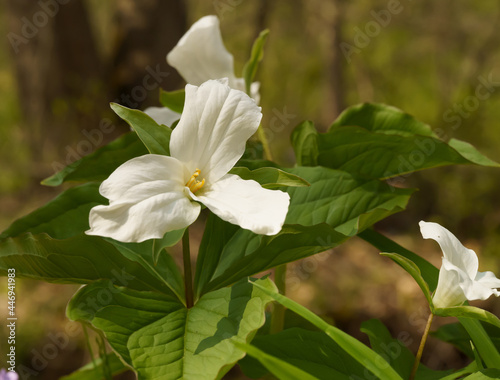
(148, 255)
(77, 260)
(313, 352)
(94, 370)
(428, 271)
(378, 117)
(155, 137)
(250, 68)
(240, 253)
(270, 178)
(485, 374)
(468, 312)
(378, 141)
(365, 356)
(173, 99)
(160, 338)
(455, 333)
(169, 240)
(414, 271)
(305, 144)
(98, 165)
(482, 341)
(65, 216)
(472, 367)
(395, 352)
(319, 218)
(278, 367)
(346, 203)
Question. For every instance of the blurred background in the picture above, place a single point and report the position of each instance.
(63, 61)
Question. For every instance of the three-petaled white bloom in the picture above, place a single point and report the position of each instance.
(200, 55)
(459, 279)
(153, 194)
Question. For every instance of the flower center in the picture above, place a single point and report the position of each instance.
(193, 184)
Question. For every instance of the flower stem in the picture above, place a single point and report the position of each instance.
(263, 139)
(188, 276)
(278, 316)
(421, 347)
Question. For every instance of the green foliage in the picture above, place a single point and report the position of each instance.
(305, 144)
(98, 165)
(270, 178)
(65, 216)
(311, 351)
(250, 68)
(95, 370)
(143, 326)
(155, 137)
(368, 358)
(414, 271)
(173, 100)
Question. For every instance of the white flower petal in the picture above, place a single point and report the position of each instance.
(146, 199)
(213, 130)
(453, 250)
(147, 219)
(143, 177)
(200, 54)
(452, 280)
(162, 115)
(484, 286)
(239, 84)
(247, 204)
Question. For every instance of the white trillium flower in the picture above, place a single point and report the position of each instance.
(153, 194)
(459, 279)
(200, 55)
(162, 115)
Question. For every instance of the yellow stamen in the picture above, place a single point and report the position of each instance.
(193, 184)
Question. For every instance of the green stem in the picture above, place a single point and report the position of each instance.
(278, 316)
(188, 274)
(262, 137)
(421, 347)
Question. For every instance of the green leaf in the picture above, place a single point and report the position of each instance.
(395, 352)
(313, 352)
(240, 253)
(414, 271)
(160, 338)
(469, 312)
(377, 117)
(98, 165)
(169, 240)
(485, 374)
(346, 203)
(173, 99)
(95, 371)
(370, 359)
(147, 254)
(77, 260)
(250, 68)
(270, 178)
(155, 137)
(378, 141)
(65, 216)
(428, 271)
(319, 218)
(482, 341)
(455, 333)
(278, 367)
(305, 144)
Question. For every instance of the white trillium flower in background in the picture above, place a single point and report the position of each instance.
(459, 279)
(200, 55)
(153, 194)
(162, 115)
